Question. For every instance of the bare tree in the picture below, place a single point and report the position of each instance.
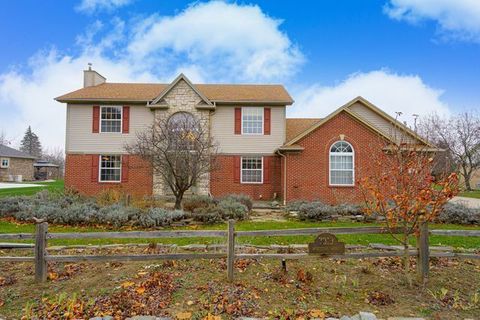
(180, 151)
(3, 138)
(56, 156)
(460, 136)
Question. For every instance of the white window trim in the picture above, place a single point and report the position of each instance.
(330, 153)
(1, 163)
(263, 122)
(241, 170)
(100, 119)
(100, 169)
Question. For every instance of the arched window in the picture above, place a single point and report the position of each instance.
(182, 131)
(342, 168)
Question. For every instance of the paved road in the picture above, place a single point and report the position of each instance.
(8, 185)
(469, 202)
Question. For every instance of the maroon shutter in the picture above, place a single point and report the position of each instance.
(238, 120)
(236, 169)
(126, 119)
(95, 160)
(95, 119)
(266, 169)
(125, 159)
(266, 120)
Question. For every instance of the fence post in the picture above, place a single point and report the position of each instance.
(423, 253)
(230, 249)
(41, 230)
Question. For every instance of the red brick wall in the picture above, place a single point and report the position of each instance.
(222, 180)
(78, 176)
(308, 171)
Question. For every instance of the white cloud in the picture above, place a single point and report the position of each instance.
(90, 6)
(228, 41)
(240, 44)
(389, 91)
(458, 19)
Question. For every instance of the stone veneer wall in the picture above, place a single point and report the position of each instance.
(182, 98)
(18, 166)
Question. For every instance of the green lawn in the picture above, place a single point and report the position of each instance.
(28, 191)
(461, 242)
(470, 194)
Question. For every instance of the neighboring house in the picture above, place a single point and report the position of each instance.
(15, 165)
(261, 152)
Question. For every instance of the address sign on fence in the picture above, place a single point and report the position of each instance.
(326, 244)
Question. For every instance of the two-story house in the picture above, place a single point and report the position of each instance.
(261, 152)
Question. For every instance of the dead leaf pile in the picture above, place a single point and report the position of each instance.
(378, 298)
(149, 296)
(234, 300)
(8, 280)
(68, 271)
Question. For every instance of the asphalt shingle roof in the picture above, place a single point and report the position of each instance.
(13, 153)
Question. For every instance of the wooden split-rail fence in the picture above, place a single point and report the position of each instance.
(41, 236)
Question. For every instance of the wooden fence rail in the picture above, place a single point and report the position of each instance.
(41, 236)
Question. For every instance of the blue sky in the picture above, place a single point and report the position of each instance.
(414, 56)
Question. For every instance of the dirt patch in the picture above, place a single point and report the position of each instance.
(195, 289)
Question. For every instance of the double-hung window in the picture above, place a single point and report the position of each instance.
(5, 163)
(111, 119)
(252, 170)
(341, 164)
(252, 120)
(110, 168)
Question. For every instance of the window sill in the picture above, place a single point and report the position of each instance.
(341, 186)
(256, 183)
(109, 182)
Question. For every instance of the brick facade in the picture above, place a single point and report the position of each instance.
(222, 180)
(17, 166)
(308, 171)
(78, 176)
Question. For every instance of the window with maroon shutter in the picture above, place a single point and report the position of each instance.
(236, 169)
(126, 119)
(238, 120)
(94, 172)
(267, 162)
(266, 120)
(95, 119)
(125, 161)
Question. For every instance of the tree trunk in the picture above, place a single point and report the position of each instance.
(178, 200)
(406, 262)
(466, 179)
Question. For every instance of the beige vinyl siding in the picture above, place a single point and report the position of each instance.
(223, 125)
(378, 122)
(79, 136)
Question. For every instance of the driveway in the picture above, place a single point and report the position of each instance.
(469, 202)
(8, 185)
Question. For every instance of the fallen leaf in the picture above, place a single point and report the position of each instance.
(183, 316)
(127, 284)
(52, 275)
(315, 313)
(189, 302)
(212, 317)
(140, 290)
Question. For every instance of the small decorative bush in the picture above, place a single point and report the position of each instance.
(295, 205)
(232, 209)
(345, 209)
(242, 198)
(459, 214)
(197, 201)
(208, 215)
(159, 217)
(315, 210)
(116, 215)
(110, 196)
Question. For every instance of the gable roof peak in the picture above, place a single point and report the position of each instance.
(180, 77)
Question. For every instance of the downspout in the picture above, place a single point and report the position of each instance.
(284, 177)
(210, 114)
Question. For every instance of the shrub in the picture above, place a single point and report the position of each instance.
(315, 210)
(116, 215)
(345, 209)
(232, 209)
(295, 205)
(159, 217)
(81, 213)
(110, 196)
(209, 215)
(459, 214)
(241, 198)
(197, 201)
(9, 205)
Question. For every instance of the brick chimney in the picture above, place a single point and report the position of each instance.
(92, 77)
